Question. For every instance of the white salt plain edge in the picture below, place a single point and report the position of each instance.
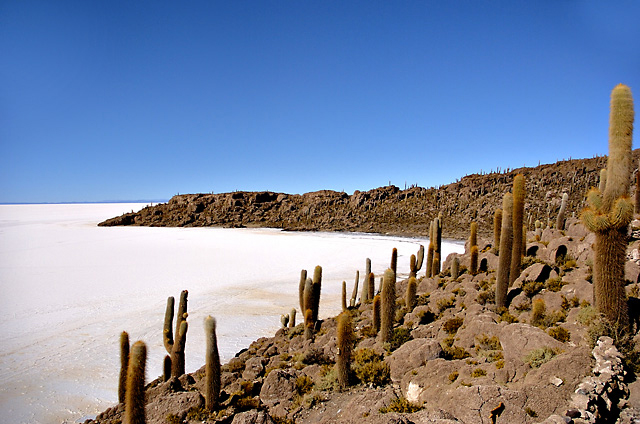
(69, 288)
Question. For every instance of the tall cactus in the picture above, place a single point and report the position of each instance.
(437, 246)
(412, 266)
(394, 260)
(410, 296)
(388, 306)
(345, 336)
(610, 212)
(603, 180)
(354, 294)
(344, 296)
(175, 348)
(376, 314)
(430, 251)
(135, 398)
(365, 289)
(497, 226)
(473, 249)
(455, 267)
(212, 365)
(301, 287)
(292, 318)
(124, 364)
(504, 260)
(518, 216)
(419, 258)
(637, 197)
(371, 287)
(316, 289)
(309, 324)
(561, 213)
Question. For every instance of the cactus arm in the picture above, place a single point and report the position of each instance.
(167, 333)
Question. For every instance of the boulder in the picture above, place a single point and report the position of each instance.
(413, 354)
(252, 417)
(278, 391)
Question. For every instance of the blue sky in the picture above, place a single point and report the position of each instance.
(122, 100)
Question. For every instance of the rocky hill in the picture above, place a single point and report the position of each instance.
(385, 210)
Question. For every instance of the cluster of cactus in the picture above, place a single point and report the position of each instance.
(434, 252)
(473, 249)
(415, 262)
(175, 348)
(562, 212)
(309, 294)
(610, 211)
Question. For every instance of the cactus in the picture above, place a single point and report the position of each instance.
(308, 295)
(284, 320)
(437, 245)
(517, 222)
(365, 288)
(309, 324)
(637, 198)
(430, 259)
(538, 232)
(603, 180)
(124, 364)
(563, 210)
(419, 258)
(412, 266)
(372, 285)
(354, 295)
(317, 286)
(610, 212)
(345, 336)
(504, 260)
(175, 348)
(376, 314)
(388, 306)
(166, 368)
(411, 294)
(292, 318)
(344, 296)
(455, 267)
(394, 260)
(436, 263)
(212, 365)
(301, 287)
(135, 398)
(473, 249)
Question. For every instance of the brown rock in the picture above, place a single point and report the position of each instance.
(413, 354)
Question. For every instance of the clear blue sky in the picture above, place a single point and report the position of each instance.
(123, 100)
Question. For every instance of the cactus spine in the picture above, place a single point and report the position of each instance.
(561, 213)
(124, 364)
(504, 260)
(411, 294)
(344, 333)
(610, 212)
(517, 222)
(135, 398)
(388, 305)
(175, 348)
(212, 365)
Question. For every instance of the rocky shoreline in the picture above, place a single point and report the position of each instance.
(454, 358)
(384, 210)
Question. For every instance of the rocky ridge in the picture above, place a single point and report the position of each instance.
(385, 210)
(454, 358)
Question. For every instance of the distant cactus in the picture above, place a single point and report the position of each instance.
(372, 285)
(610, 212)
(135, 398)
(504, 260)
(124, 364)
(354, 295)
(309, 325)
(517, 222)
(473, 236)
(284, 320)
(376, 314)
(563, 210)
(410, 300)
(603, 180)
(292, 318)
(388, 306)
(212, 365)
(345, 336)
(394, 260)
(455, 267)
(344, 296)
(176, 347)
(301, 287)
(412, 266)
(538, 232)
(419, 258)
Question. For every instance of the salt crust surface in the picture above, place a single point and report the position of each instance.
(68, 288)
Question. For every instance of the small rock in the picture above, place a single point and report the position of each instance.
(556, 381)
